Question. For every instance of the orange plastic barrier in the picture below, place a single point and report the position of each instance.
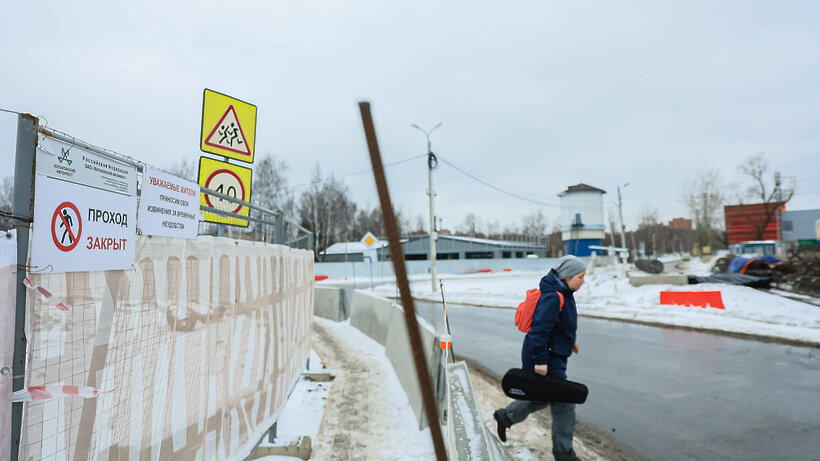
(484, 270)
(507, 270)
(693, 298)
(321, 277)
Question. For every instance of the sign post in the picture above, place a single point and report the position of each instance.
(371, 243)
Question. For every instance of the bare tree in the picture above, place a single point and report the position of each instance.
(612, 217)
(509, 230)
(704, 197)
(369, 221)
(534, 224)
(493, 228)
(772, 198)
(327, 210)
(185, 169)
(271, 186)
(649, 215)
(469, 226)
(650, 231)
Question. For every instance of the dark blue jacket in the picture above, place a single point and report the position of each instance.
(552, 337)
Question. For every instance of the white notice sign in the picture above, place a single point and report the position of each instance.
(73, 163)
(79, 228)
(169, 206)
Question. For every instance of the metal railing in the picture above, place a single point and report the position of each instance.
(264, 225)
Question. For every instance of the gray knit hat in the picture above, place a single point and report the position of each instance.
(568, 266)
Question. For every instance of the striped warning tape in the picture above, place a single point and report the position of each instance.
(34, 393)
(46, 294)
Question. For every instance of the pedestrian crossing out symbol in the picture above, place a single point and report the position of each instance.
(66, 226)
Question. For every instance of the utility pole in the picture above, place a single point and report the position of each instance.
(432, 162)
(621, 214)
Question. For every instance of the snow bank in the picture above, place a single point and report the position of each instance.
(608, 294)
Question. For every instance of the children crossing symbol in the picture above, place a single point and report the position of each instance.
(228, 134)
(66, 226)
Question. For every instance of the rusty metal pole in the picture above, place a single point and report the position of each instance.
(23, 210)
(397, 255)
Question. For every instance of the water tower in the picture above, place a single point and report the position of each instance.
(582, 218)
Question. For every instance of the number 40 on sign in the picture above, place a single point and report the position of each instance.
(227, 179)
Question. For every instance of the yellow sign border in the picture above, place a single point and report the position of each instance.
(245, 176)
(214, 106)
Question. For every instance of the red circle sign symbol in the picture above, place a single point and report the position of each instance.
(224, 181)
(62, 219)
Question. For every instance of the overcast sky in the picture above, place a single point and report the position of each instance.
(533, 96)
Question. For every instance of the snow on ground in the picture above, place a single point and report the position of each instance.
(303, 411)
(364, 412)
(368, 415)
(608, 294)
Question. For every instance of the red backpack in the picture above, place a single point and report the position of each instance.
(526, 310)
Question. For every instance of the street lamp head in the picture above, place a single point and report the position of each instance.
(426, 133)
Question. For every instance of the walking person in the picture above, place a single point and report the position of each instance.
(545, 351)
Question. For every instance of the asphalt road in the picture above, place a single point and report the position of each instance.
(670, 394)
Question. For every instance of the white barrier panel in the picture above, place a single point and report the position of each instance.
(189, 355)
(8, 294)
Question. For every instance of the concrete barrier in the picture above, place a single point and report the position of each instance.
(397, 349)
(371, 314)
(467, 436)
(383, 321)
(330, 303)
(660, 279)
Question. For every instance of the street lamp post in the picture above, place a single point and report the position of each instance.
(621, 213)
(432, 161)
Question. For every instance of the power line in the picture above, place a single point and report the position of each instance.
(493, 186)
(291, 188)
(800, 160)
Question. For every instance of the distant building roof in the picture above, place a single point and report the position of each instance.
(461, 238)
(581, 188)
(341, 248)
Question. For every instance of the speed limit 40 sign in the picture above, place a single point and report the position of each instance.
(227, 179)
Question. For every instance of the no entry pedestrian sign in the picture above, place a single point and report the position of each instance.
(66, 223)
(81, 228)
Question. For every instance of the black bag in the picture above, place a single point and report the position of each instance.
(526, 385)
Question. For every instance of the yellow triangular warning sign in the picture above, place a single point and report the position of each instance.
(228, 134)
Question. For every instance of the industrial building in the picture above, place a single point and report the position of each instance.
(353, 252)
(800, 226)
(458, 247)
(757, 221)
(582, 218)
(447, 247)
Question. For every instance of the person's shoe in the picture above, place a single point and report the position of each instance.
(569, 456)
(501, 424)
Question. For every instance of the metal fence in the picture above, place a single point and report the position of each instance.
(263, 225)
